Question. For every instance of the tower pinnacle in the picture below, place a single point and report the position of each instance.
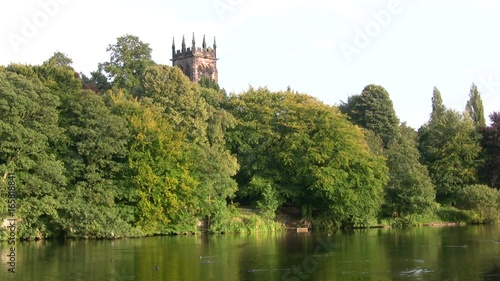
(194, 44)
(215, 47)
(173, 47)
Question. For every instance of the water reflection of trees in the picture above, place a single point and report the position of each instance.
(493, 274)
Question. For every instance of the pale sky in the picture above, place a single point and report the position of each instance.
(328, 49)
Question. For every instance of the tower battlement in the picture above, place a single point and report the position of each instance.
(196, 62)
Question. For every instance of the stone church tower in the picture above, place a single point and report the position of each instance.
(196, 62)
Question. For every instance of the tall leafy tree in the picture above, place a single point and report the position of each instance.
(28, 130)
(96, 154)
(93, 150)
(161, 165)
(410, 190)
(130, 57)
(424, 133)
(59, 59)
(373, 110)
(438, 108)
(294, 149)
(474, 108)
(198, 113)
(253, 141)
(490, 171)
(217, 166)
(183, 104)
(449, 147)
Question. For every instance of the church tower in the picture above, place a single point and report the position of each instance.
(196, 62)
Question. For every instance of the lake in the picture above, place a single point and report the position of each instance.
(424, 253)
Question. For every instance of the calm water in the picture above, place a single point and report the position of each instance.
(451, 253)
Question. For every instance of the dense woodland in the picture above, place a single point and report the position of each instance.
(137, 149)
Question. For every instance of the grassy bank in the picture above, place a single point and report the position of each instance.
(242, 220)
(445, 215)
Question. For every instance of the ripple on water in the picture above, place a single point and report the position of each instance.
(414, 260)
(417, 272)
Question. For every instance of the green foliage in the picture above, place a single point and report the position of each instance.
(373, 110)
(482, 201)
(270, 200)
(308, 153)
(160, 164)
(61, 80)
(438, 214)
(410, 190)
(474, 108)
(130, 57)
(28, 130)
(438, 108)
(144, 151)
(208, 83)
(375, 143)
(183, 104)
(97, 82)
(197, 112)
(72, 184)
(449, 147)
(490, 170)
(95, 154)
(59, 60)
(221, 216)
(237, 221)
(402, 222)
(451, 214)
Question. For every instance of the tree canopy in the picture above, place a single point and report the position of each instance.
(292, 148)
(490, 170)
(474, 108)
(373, 110)
(129, 59)
(137, 149)
(410, 190)
(449, 147)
